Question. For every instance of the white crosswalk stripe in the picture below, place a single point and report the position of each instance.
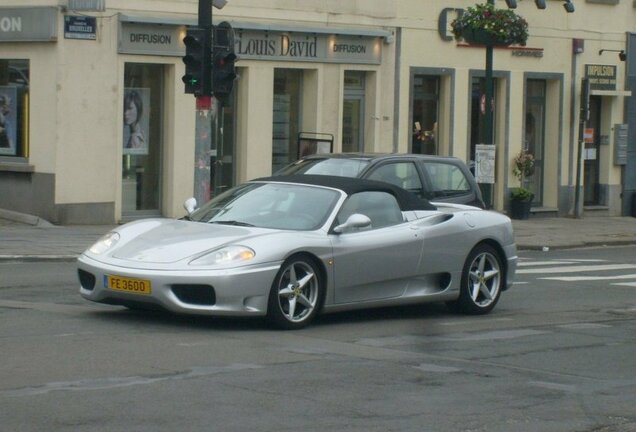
(587, 270)
(627, 284)
(590, 278)
(577, 268)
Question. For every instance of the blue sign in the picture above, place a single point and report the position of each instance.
(80, 27)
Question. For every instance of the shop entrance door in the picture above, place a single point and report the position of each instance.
(592, 154)
(142, 137)
(353, 112)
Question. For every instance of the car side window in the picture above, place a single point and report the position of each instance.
(381, 207)
(402, 174)
(446, 179)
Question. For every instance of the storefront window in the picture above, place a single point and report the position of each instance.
(534, 134)
(425, 114)
(142, 140)
(353, 112)
(14, 108)
(286, 123)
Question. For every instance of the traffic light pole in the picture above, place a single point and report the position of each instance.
(205, 120)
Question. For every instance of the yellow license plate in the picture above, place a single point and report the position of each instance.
(131, 285)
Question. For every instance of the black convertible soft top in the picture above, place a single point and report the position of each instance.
(350, 185)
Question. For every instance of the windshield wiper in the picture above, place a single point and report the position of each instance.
(232, 222)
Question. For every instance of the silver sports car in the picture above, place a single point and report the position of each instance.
(291, 247)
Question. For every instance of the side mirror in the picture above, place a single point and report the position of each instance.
(356, 220)
(190, 205)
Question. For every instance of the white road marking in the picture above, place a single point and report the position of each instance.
(576, 269)
(590, 278)
(540, 263)
(627, 284)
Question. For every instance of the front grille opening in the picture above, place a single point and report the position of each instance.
(202, 295)
(87, 280)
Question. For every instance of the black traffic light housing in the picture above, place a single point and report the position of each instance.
(223, 62)
(197, 60)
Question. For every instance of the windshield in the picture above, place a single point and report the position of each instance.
(270, 205)
(327, 166)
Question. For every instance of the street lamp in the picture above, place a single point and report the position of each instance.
(488, 116)
(621, 53)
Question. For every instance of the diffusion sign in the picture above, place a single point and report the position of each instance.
(311, 47)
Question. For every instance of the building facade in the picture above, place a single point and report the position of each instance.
(99, 129)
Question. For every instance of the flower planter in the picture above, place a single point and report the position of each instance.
(484, 24)
(520, 209)
(482, 37)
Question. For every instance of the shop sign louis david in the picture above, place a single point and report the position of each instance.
(153, 39)
(268, 45)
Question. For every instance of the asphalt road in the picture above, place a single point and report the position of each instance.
(557, 354)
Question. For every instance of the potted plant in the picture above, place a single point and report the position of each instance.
(521, 197)
(484, 24)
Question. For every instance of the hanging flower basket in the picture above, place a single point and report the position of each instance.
(483, 24)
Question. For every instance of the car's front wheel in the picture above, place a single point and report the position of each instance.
(296, 293)
(482, 279)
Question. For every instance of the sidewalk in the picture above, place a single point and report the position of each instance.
(28, 238)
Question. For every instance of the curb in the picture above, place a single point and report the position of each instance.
(38, 258)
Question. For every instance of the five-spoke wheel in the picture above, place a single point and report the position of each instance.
(296, 293)
(482, 279)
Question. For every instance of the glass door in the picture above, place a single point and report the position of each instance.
(534, 135)
(142, 140)
(425, 113)
(353, 112)
(286, 116)
(592, 154)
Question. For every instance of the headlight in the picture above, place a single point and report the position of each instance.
(105, 243)
(225, 255)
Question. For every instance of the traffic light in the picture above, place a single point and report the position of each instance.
(224, 58)
(197, 62)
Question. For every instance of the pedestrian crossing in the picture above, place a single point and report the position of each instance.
(587, 270)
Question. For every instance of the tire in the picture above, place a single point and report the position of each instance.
(296, 294)
(482, 279)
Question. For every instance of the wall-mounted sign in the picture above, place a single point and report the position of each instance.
(620, 144)
(28, 24)
(485, 163)
(447, 16)
(151, 39)
(87, 5)
(166, 40)
(313, 47)
(80, 27)
(602, 77)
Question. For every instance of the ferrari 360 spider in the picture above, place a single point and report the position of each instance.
(291, 247)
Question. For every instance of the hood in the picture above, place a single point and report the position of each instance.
(168, 241)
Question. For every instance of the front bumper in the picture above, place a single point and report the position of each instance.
(241, 291)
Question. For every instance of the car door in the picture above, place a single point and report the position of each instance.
(374, 262)
(448, 182)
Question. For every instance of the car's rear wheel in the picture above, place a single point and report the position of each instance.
(482, 279)
(296, 293)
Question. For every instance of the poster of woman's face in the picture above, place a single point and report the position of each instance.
(8, 120)
(136, 120)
